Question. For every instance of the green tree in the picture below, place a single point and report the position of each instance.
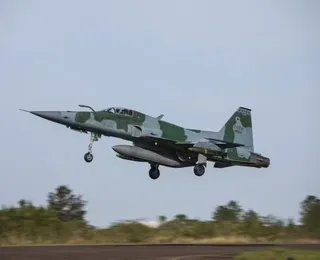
(273, 226)
(230, 212)
(310, 214)
(62, 220)
(22, 203)
(162, 219)
(251, 223)
(181, 217)
(67, 206)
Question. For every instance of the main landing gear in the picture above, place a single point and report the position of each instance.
(200, 168)
(88, 157)
(154, 172)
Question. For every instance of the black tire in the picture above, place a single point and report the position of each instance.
(88, 157)
(154, 173)
(199, 169)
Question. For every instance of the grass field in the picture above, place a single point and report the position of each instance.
(154, 240)
(280, 254)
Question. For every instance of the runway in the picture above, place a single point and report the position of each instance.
(130, 252)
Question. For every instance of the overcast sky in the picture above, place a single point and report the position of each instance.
(194, 61)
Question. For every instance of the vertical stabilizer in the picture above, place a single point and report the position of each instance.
(238, 129)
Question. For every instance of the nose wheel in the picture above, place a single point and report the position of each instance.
(88, 157)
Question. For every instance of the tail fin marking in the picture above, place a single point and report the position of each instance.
(238, 129)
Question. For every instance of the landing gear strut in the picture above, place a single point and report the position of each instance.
(200, 168)
(88, 157)
(154, 172)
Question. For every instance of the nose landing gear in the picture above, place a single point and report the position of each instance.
(88, 157)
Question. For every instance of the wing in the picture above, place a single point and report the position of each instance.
(208, 146)
(151, 135)
(175, 145)
(224, 144)
(203, 147)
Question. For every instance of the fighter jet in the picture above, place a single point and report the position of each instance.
(161, 143)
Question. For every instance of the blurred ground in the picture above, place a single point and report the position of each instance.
(142, 252)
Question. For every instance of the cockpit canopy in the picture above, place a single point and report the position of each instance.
(120, 111)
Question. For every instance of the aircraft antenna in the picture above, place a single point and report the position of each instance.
(87, 107)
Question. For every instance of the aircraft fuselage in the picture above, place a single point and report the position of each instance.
(162, 143)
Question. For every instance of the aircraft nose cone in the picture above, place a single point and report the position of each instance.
(50, 115)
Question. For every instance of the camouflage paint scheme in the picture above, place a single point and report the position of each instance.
(231, 145)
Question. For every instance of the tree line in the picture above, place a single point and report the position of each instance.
(63, 220)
